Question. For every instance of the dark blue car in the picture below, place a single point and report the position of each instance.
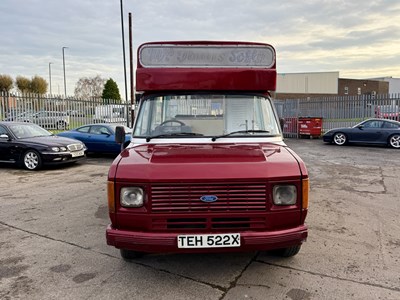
(371, 131)
(98, 138)
(31, 146)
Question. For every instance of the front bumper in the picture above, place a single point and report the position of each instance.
(327, 138)
(61, 157)
(156, 242)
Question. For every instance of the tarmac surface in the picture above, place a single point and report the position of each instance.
(52, 238)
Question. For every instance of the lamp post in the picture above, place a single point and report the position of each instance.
(65, 83)
(123, 54)
(50, 76)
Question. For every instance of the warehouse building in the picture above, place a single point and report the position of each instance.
(328, 84)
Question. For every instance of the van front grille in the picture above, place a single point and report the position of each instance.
(232, 197)
(208, 224)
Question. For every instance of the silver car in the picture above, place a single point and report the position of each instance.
(46, 119)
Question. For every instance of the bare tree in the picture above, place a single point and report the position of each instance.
(89, 87)
(6, 83)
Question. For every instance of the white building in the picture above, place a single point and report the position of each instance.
(394, 84)
(308, 83)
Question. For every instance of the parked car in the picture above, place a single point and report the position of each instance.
(32, 146)
(111, 113)
(46, 119)
(371, 131)
(75, 113)
(51, 119)
(19, 115)
(99, 138)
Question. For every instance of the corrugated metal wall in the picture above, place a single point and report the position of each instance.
(308, 83)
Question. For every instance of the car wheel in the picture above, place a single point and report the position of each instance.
(32, 160)
(61, 125)
(287, 252)
(394, 141)
(340, 139)
(129, 254)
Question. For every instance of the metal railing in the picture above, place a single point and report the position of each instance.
(337, 111)
(57, 112)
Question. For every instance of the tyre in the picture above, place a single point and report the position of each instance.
(129, 254)
(287, 252)
(394, 141)
(340, 138)
(32, 160)
(61, 125)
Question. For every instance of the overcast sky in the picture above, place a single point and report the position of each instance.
(358, 38)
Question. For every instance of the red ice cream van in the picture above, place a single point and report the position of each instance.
(207, 169)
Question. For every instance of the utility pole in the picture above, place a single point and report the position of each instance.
(131, 71)
(123, 53)
(50, 77)
(65, 82)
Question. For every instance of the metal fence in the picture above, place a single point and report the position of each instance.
(59, 113)
(337, 111)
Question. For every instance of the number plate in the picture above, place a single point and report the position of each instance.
(77, 153)
(209, 240)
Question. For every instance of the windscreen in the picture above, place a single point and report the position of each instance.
(22, 131)
(206, 115)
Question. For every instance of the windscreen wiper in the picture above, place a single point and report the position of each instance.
(214, 138)
(173, 134)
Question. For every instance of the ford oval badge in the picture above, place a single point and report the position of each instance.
(208, 198)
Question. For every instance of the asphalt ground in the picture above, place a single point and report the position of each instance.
(52, 238)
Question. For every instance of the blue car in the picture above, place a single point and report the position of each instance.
(371, 131)
(98, 138)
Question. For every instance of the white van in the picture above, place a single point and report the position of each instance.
(110, 113)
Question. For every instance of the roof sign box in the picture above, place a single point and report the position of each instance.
(211, 56)
(206, 66)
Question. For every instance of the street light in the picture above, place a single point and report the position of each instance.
(123, 54)
(50, 76)
(65, 83)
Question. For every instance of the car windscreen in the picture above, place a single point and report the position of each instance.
(208, 115)
(22, 131)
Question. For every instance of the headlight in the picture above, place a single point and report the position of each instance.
(131, 197)
(55, 149)
(284, 194)
(63, 149)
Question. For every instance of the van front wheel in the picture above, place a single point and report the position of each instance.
(287, 252)
(129, 254)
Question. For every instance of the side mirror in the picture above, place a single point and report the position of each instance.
(4, 136)
(120, 135)
(360, 126)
